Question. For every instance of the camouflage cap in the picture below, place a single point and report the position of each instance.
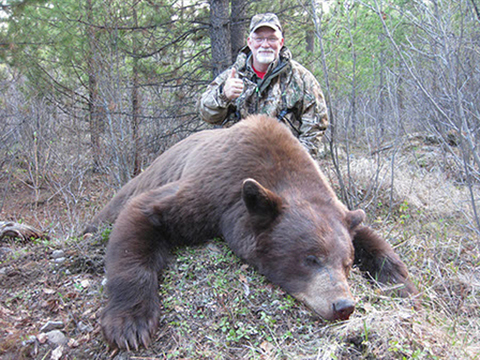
(267, 19)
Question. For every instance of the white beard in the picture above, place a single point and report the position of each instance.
(265, 56)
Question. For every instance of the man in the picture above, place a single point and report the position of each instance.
(265, 80)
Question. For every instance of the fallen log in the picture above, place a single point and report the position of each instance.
(21, 231)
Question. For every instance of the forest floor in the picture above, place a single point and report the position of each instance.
(216, 307)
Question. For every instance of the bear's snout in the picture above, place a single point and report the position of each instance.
(342, 309)
(328, 295)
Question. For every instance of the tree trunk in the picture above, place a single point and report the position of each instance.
(94, 109)
(136, 108)
(310, 41)
(238, 19)
(220, 36)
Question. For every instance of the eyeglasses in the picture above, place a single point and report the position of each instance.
(270, 40)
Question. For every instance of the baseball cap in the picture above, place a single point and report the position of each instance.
(267, 19)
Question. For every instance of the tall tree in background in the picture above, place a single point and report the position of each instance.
(136, 99)
(227, 31)
(95, 106)
(239, 20)
(220, 35)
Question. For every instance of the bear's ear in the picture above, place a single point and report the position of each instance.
(354, 218)
(262, 204)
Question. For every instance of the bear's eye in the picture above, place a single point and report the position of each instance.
(312, 260)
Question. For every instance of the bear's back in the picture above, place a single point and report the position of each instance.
(259, 147)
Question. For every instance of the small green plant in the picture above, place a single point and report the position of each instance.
(73, 240)
(405, 351)
(404, 212)
(42, 241)
(106, 234)
(78, 286)
(366, 332)
(288, 302)
(173, 355)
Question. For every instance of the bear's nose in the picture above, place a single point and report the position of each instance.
(342, 309)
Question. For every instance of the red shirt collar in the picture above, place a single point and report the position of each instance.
(259, 74)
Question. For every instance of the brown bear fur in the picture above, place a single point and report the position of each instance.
(254, 185)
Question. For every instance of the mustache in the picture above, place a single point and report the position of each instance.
(266, 50)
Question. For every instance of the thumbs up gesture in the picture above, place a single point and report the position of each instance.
(233, 87)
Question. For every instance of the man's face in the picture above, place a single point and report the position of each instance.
(265, 44)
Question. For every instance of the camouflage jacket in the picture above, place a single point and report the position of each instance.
(288, 92)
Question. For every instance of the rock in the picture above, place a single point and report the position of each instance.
(59, 260)
(58, 254)
(84, 327)
(57, 337)
(51, 325)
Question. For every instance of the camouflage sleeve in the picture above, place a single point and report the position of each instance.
(314, 116)
(213, 105)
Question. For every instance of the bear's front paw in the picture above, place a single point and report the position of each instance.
(129, 328)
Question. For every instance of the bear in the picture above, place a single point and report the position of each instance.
(257, 187)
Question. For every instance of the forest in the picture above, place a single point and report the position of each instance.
(91, 92)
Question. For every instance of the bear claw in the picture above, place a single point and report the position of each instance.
(128, 332)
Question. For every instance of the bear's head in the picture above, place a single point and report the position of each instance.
(304, 247)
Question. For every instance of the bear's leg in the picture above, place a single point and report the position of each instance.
(136, 252)
(376, 257)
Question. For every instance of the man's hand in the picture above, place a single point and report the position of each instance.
(233, 87)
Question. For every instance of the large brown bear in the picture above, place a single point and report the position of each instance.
(257, 187)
